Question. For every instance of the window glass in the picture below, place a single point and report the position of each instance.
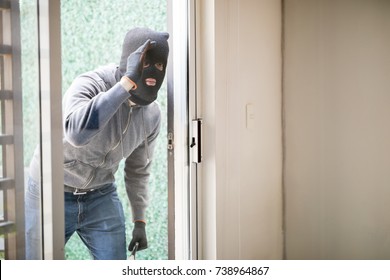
(31, 113)
(92, 35)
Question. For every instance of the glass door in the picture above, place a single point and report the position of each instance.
(92, 36)
(50, 44)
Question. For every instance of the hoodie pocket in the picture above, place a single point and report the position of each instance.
(78, 174)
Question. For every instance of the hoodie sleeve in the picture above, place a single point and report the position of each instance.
(137, 173)
(88, 106)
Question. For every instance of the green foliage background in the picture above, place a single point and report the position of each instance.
(92, 32)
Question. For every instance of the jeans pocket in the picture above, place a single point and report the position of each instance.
(106, 189)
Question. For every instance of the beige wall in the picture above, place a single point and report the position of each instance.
(337, 112)
(239, 52)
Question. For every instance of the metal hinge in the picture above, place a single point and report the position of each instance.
(170, 141)
(196, 141)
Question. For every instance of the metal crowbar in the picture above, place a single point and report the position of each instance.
(132, 255)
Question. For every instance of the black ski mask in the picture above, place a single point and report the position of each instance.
(154, 66)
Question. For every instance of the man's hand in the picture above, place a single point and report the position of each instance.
(139, 235)
(135, 62)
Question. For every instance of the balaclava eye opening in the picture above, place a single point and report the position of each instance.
(145, 94)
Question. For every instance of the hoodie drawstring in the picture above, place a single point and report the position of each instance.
(147, 152)
(145, 138)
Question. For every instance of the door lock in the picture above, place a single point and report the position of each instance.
(196, 141)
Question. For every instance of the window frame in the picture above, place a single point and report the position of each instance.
(50, 92)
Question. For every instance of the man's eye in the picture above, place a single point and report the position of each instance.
(159, 66)
(146, 64)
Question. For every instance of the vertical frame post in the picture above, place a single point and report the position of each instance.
(51, 129)
(178, 131)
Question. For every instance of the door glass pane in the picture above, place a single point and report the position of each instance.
(92, 36)
(31, 124)
(19, 124)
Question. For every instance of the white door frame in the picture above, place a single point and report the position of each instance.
(182, 107)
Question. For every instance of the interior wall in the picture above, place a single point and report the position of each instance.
(239, 61)
(337, 157)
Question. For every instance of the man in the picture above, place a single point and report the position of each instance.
(109, 115)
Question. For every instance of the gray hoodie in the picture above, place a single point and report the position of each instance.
(100, 129)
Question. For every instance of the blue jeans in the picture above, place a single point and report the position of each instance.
(97, 217)
(33, 221)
